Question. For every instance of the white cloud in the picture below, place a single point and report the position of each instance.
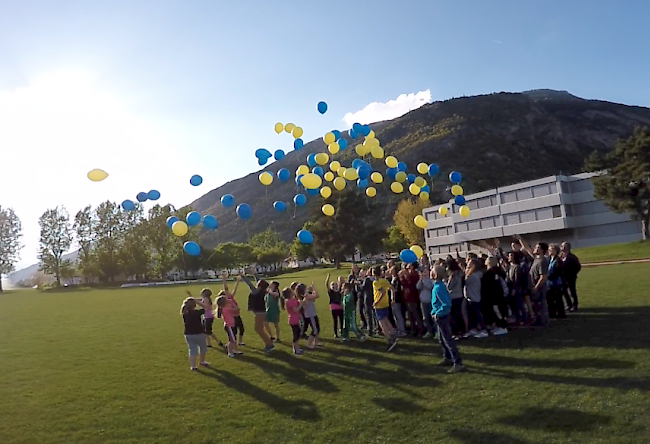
(378, 111)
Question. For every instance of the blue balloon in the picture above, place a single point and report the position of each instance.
(263, 161)
(311, 160)
(171, 220)
(365, 130)
(210, 222)
(300, 199)
(337, 134)
(305, 237)
(358, 128)
(298, 180)
(297, 144)
(321, 107)
(196, 180)
(364, 172)
(455, 177)
(279, 154)
(142, 197)
(401, 166)
(279, 206)
(244, 211)
(352, 133)
(318, 170)
(425, 188)
(459, 200)
(262, 153)
(283, 174)
(227, 200)
(153, 195)
(410, 178)
(391, 173)
(193, 218)
(313, 192)
(407, 256)
(362, 184)
(356, 163)
(128, 205)
(433, 169)
(343, 144)
(192, 248)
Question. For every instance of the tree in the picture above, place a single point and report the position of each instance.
(394, 241)
(268, 248)
(403, 218)
(624, 179)
(84, 230)
(109, 235)
(10, 233)
(134, 255)
(56, 239)
(300, 251)
(235, 255)
(162, 242)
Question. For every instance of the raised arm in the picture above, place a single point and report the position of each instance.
(525, 247)
(237, 281)
(248, 282)
(327, 281)
(224, 282)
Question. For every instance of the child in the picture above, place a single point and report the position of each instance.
(335, 305)
(226, 312)
(381, 305)
(293, 307)
(193, 332)
(208, 317)
(272, 302)
(238, 329)
(441, 309)
(257, 306)
(311, 318)
(349, 315)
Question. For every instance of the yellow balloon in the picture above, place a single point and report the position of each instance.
(370, 143)
(417, 250)
(333, 148)
(329, 138)
(339, 183)
(420, 181)
(335, 165)
(326, 192)
(266, 178)
(311, 181)
(97, 175)
(391, 162)
(420, 221)
(179, 228)
(396, 187)
(457, 190)
(289, 127)
(322, 158)
(302, 170)
(329, 176)
(297, 132)
(414, 189)
(371, 135)
(351, 174)
(371, 192)
(464, 211)
(443, 211)
(424, 195)
(360, 150)
(278, 127)
(377, 152)
(328, 210)
(341, 171)
(423, 168)
(400, 176)
(376, 177)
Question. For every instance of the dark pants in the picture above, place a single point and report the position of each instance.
(517, 305)
(540, 306)
(361, 310)
(238, 329)
(415, 318)
(370, 316)
(570, 292)
(337, 321)
(449, 350)
(456, 320)
(555, 303)
(475, 309)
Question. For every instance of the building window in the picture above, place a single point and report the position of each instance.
(511, 219)
(461, 227)
(524, 194)
(544, 213)
(488, 223)
(569, 210)
(509, 197)
(541, 190)
(580, 185)
(557, 211)
(553, 187)
(484, 202)
(473, 225)
(493, 201)
(472, 204)
(587, 208)
(527, 216)
(565, 187)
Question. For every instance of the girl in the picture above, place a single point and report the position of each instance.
(350, 318)
(226, 312)
(257, 306)
(238, 329)
(293, 307)
(493, 292)
(272, 303)
(193, 332)
(309, 295)
(473, 298)
(425, 286)
(396, 303)
(208, 317)
(455, 288)
(335, 305)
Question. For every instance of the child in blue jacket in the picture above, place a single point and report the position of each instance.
(440, 311)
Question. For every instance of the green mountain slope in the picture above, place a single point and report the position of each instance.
(493, 140)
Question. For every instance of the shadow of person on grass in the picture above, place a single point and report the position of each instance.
(556, 420)
(303, 410)
(399, 405)
(470, 436)
(564, 364)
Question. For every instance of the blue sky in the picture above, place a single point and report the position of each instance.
(155, 91)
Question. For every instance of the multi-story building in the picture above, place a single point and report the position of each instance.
(551, 209)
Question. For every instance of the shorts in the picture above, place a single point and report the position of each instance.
(207, 325)
(196, 344)
(382, 313)
(295, 329)
(272, 317)
(229, 333)
(314, 324)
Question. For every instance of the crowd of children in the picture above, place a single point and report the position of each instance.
(454, 299)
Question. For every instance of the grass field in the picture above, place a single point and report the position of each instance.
(109, 366)
(614, 252)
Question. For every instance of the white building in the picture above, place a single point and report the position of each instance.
(551, 209)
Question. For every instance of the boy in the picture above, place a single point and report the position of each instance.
(381, 304)
(441, 308)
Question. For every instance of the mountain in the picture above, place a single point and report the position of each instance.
(493, 140)
(26, 273)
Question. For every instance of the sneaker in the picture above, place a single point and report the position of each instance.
(344, 339)
(231, 355)
(499, 331)
(193, 369)
(268, 348)
(336, 336)
(298, 352)
(471, 333)
(445, 362)
(210, 346)
(204, 364)
(481, 334)
(362, 338)
(457, 368)
(392, 344)
(239, 352)
(240, 343)
(427, 335)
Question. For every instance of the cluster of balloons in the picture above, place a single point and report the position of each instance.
(193, 218)
(129, 205)
(411, 255)
(292, 129)
(457, 191)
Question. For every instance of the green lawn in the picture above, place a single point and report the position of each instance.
(614, 252)
(109, 366)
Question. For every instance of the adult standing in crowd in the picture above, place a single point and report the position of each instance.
(570, 272)
(409, 278)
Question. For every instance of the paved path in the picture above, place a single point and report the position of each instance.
(627, 261)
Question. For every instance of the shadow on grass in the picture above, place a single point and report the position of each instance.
(303, 410)
(469, 436)
(556, 420)
(399, 405)
(565, 364)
